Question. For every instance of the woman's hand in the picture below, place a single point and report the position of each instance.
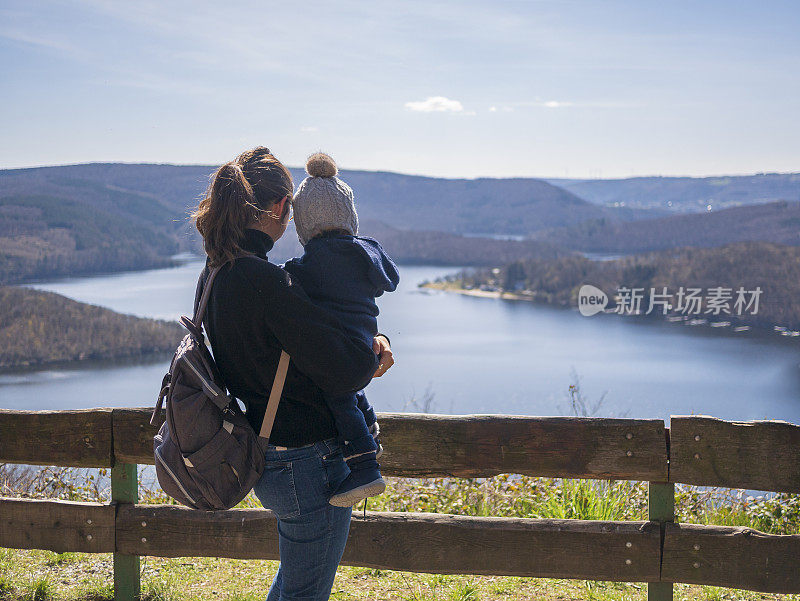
(380, 344)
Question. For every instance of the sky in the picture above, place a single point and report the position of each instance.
(581, 89)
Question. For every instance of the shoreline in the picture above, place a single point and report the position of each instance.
(170, 261)
(497, 294)
(87, 363)
(721, 325)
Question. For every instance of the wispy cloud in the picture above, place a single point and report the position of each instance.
(436, 104)
(47, 42)
(309, 129)
(556, 104)
(559, 104)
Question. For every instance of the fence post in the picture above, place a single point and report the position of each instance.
(661, 509)
(125, 489)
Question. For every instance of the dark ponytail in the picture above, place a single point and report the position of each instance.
(240, 191)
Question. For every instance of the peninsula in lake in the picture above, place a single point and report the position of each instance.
(38, 328)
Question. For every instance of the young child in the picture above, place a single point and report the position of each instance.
(344, 273)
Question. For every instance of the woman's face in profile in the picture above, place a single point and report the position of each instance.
(273, 226)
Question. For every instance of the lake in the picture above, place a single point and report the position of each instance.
(471, 355)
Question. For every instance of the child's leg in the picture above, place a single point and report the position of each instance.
(360, 452)
(363, 404)
(371, 419)
(351, 424)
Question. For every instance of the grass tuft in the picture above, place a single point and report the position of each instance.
(6, 586)
(243, 596)
(159, 589)
(98, 591)
(464, 591)
(39, 589)
(56, 559)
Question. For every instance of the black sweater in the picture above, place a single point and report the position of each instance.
(254, 311)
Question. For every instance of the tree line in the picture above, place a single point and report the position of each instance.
(774, 269)
(39, 327)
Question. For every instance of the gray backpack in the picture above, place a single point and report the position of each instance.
(207, 455)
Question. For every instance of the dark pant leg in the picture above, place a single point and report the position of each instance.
(351, 425)
(366, 409)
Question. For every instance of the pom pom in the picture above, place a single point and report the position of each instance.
(320, 164)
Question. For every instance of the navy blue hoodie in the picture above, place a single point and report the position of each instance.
(344, 274)
(255, 311)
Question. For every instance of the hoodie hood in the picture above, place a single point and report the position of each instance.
(383, 272)
(337, 254)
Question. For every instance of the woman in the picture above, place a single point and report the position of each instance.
(254, 312)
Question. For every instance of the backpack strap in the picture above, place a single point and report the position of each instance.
(200, 306)
(275, 396)
(283, 362)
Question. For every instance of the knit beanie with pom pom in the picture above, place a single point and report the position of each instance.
(323, 201)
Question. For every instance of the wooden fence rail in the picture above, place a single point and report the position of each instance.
(760, 455)
(695, 450)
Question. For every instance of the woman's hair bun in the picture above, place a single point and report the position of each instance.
(320, 164)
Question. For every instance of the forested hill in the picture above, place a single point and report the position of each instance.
(434, 248)
(395, 198)
(777, 222)
(773, 268)
(485, 205)
(49, 236)
(686, 194)
(472, 206)
(56, 223)
(69, 220)
(42, 327)
(77, 219)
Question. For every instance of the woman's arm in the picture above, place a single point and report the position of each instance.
(316, 342)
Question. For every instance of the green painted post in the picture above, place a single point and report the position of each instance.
(660, 508)
(125, 489)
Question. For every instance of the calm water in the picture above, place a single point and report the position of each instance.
(473, 355)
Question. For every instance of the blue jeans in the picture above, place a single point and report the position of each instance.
(312, 533)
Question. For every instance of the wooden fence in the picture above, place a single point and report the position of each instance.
(695, 450)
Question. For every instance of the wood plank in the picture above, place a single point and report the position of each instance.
(485, 445)
(419, 445)
(731, 557)
(447, 544)
(419, 542)
(58, 526)
(133, 435)
(76, 437)
(760, 455)
(176, 531)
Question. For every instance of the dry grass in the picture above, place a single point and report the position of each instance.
(46, 576)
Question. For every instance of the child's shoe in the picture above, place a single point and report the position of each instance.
(363, 481)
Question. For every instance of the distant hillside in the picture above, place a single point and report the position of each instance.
(49, 236)
(56, 223)
(686, 194)
(433, 248)
(777, 222)
(479, 206)
(513, 206)
(427, 247)
(772, 267)
(42, 327)
(77, 219)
